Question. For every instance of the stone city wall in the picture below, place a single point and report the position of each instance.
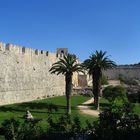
(127, 72)
(25, 76)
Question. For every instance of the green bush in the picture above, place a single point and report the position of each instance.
(104, 80)
(13, 129)
(10, 129)
(116, 123)
(113, 93)
(30, 130)
(64, 127)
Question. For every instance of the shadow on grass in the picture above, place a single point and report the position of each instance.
(35, 108)
(40, 106)
(103, 106)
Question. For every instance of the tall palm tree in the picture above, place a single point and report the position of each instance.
(96, 63)
(67, 66)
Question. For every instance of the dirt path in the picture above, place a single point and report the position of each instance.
(84, 108)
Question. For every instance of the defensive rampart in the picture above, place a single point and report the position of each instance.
(25, 76)
(127, 72)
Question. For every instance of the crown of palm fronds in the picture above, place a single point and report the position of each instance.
(67, 65)
(98, 60)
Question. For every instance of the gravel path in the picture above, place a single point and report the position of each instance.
(84, 108)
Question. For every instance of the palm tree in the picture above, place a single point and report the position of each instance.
(67, 66)
(96, 63)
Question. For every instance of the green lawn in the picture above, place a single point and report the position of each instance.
(41, 109)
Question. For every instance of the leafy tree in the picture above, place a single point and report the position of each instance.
(67, 66)
(95, 64)
(112, 93)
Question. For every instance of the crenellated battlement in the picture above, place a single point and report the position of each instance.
(25, 76)
(27, 51)
(2, 46)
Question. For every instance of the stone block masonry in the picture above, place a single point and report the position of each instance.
(123, 71)
(25, 76)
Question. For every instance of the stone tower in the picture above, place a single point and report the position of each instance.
(62, 51)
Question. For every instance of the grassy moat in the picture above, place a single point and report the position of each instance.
(41, 109)
(54, 107)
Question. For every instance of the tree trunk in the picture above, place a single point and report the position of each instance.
(96, 86)
(68, 92)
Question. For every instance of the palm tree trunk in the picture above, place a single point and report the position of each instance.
(96, 87)
(68, 92)
(93, 89)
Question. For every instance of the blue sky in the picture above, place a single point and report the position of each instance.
(82, 26)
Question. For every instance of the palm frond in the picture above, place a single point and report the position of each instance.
(67, 65)
(98, 60)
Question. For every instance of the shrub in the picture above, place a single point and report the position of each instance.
(30, 130)
(116, 123)
(13, 129)
(134, 97)
(10, 129)
(104, 80)
(112, 93)
(64, 128)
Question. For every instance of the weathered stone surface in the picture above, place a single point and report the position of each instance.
(25, 76)
(127, 72)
